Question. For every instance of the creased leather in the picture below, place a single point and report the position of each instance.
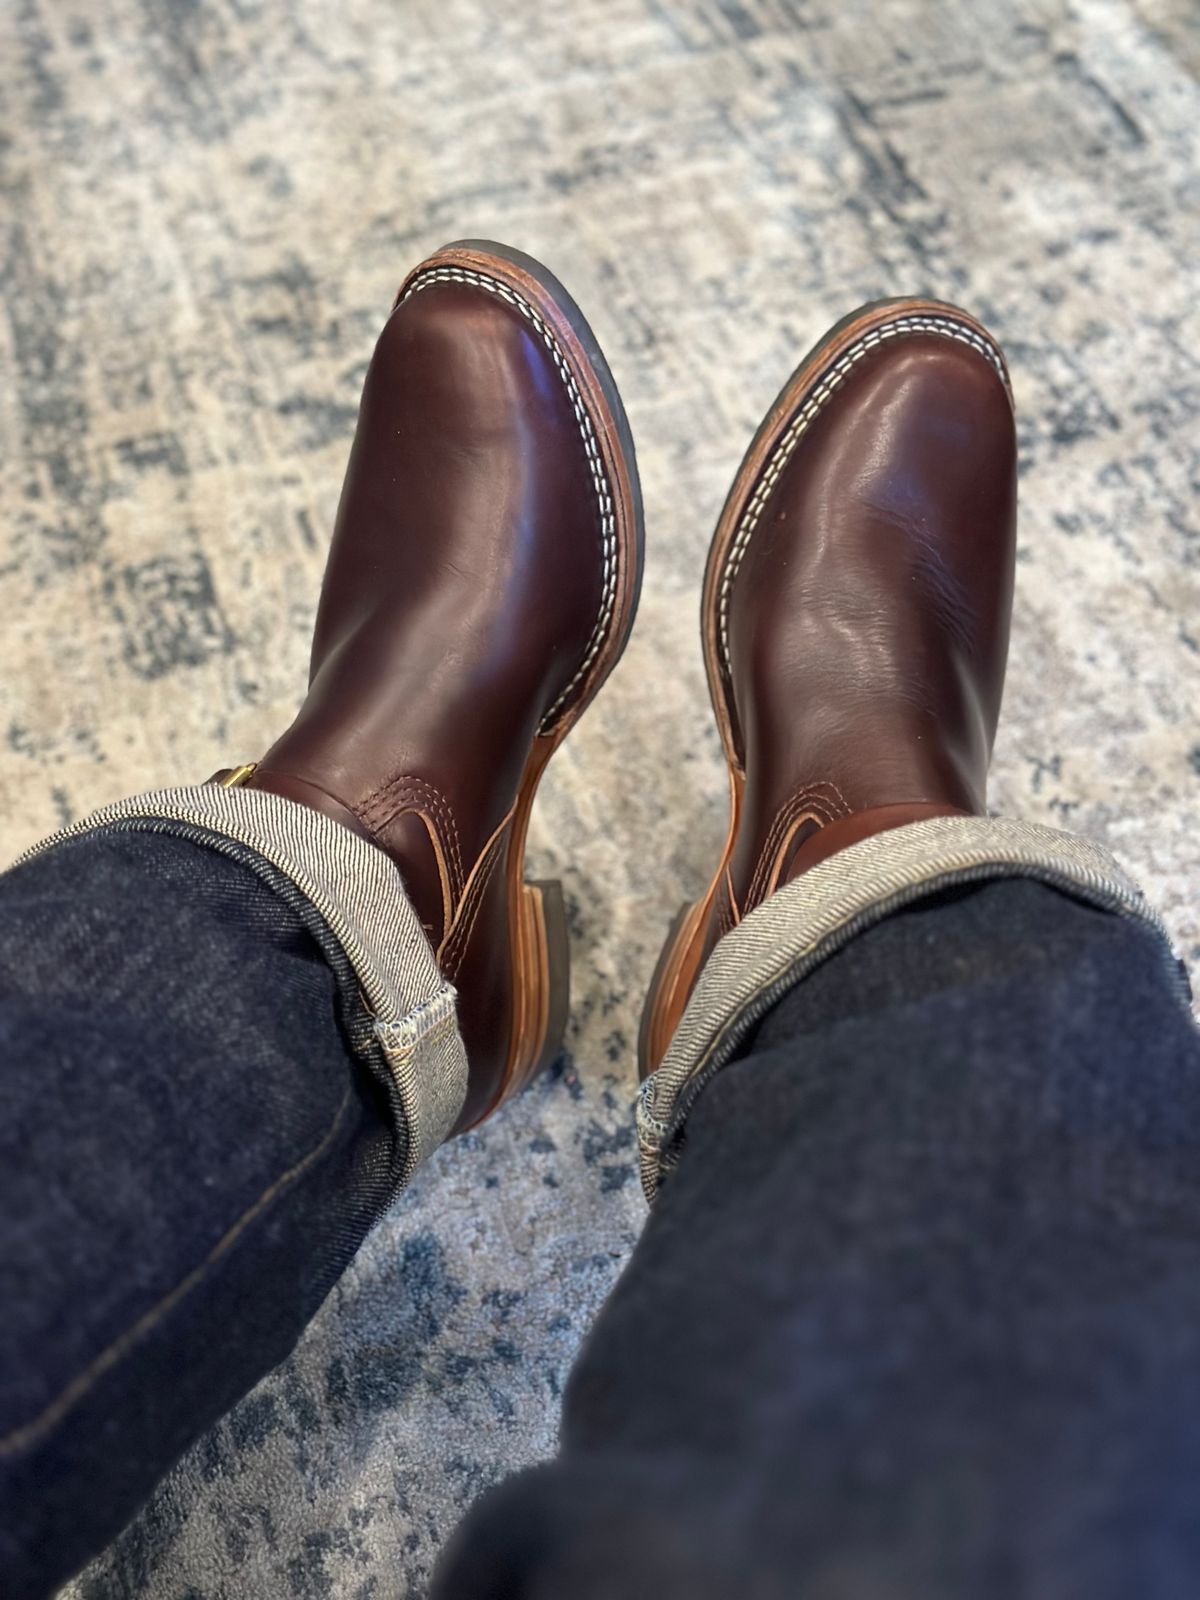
(462, 589)
(869, 618)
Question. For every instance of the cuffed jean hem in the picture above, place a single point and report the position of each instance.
(810, 919)
(359, 897)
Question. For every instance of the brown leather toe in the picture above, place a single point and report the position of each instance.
(481, 585)
(856, 610)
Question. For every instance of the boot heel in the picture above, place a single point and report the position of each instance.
(661, 1011)
(546, 991)
(558, 969)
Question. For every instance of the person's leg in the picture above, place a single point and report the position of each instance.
(190, 1153)
(236, 1016)
(917, 1313)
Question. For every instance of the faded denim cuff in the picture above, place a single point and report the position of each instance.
(803, 924)
(360, 899)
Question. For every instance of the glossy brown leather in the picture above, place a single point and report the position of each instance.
(868, 621)
(856, 611)
(460, 616)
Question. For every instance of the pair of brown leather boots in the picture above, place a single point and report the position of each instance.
(483, 582)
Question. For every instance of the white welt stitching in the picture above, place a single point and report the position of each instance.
(604, 499)
(829, 384)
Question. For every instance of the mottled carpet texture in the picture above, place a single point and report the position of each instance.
(205, 210)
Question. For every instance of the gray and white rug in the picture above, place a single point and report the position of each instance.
(204, 209)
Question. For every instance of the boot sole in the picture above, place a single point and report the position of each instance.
(683, 951)
(537, 911)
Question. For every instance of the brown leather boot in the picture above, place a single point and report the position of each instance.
(481, 586)
(856, 611)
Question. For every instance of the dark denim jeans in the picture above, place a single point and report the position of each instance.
(917, 1315)
(189, 1156)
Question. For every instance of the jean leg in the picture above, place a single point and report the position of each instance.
(189, 1156)
(918, 1313)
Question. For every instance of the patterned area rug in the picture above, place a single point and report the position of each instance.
(205, 210)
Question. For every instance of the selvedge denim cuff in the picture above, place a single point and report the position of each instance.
(359, 896)
(810, 919)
